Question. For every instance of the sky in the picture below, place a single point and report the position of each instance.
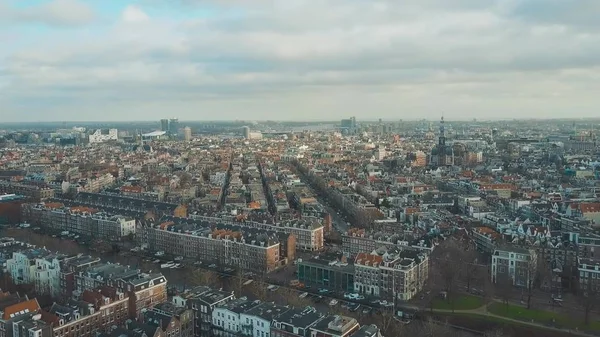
(109, 60)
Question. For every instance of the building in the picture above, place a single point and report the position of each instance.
(70, 267)
(202, 300)
(246, 132)
(442, 154)
(13, 308)
(85, 221)
(329, 271)
(187, 134)
(104, 135)
(257, 320)
(32, 192)
(335, 326)
(485, 238)
(246, 249)
(10, 208)
(589, 275)
(31, 326)
(514, 265)
(164, 125)
(144, 290)
(38, 267)
(226, 318)
(173, 126)
(175, 321)
(295, 322)
(390, 273)
(97, 311)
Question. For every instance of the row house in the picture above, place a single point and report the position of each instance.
(251, 250)
(144, 290)
(32, 192)
(97, 311)
(14, 308)
(308, 231)
(83, 221)
(202, 301)
(176, 321)
(39, 267)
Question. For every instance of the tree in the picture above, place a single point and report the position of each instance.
(448, 267)
(203, 277)
(471, 270)
(503, 288)
(258, 288)
(388, 323)
(587, 295)
(494, 333)
(292, 297)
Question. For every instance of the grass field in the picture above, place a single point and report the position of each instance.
(540, 317)
(465, 302)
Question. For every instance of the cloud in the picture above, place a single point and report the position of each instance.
(53, 13)
(385, 58)
(134, 14)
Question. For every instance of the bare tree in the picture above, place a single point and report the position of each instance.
(258, 288)
(503, 288)
(495, 333)
(471, 270)
(388, 323)
(587, 296)
(448, 268)
(292, 297)
(203, 277)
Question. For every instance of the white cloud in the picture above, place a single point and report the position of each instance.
(134, 14)
(318, 59)
(52, 13)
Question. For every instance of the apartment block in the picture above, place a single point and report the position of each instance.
(33, 192)
(589, 275)
(241, 248)
(178, 321)
(514, 264)
(39, 267)
(335, 326)
(85, 221)
(14, 308)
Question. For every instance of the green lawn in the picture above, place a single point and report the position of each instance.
(540, 316)
(463, 302)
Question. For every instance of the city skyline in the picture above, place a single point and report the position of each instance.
(327, 60)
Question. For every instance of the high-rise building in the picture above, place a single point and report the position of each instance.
(173, 126)
(164, 125)
(187, 133)
(246, 132)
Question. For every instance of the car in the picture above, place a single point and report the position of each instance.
(323, 291)
(383, 302)
(212, 266)
(303, 295)
(272, 287)
(366, 310)
(354, 307)
(333, 302)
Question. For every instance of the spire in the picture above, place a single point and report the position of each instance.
(442, 139)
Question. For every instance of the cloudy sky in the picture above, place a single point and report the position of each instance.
(77, 60)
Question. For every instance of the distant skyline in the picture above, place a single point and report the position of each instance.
(140, 60)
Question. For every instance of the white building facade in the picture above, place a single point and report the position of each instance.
(104, 135)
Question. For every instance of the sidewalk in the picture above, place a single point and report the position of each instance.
(483, 311)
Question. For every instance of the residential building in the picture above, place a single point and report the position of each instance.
(12, 309)
(31, 192)
(202, 300)
(514, 264)
(295, 322)
(589, 275)
(257, 320)
(485, 238)
(334, 326)
(226, 318)
(38, 267)
(175, 321)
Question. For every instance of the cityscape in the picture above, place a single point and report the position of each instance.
(342, 228)
(323, 168)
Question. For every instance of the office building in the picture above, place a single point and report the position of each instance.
(187, 134)
(173, 126)
(104, 135)
(164, 125)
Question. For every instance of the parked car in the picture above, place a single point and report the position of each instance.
(333, 302)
